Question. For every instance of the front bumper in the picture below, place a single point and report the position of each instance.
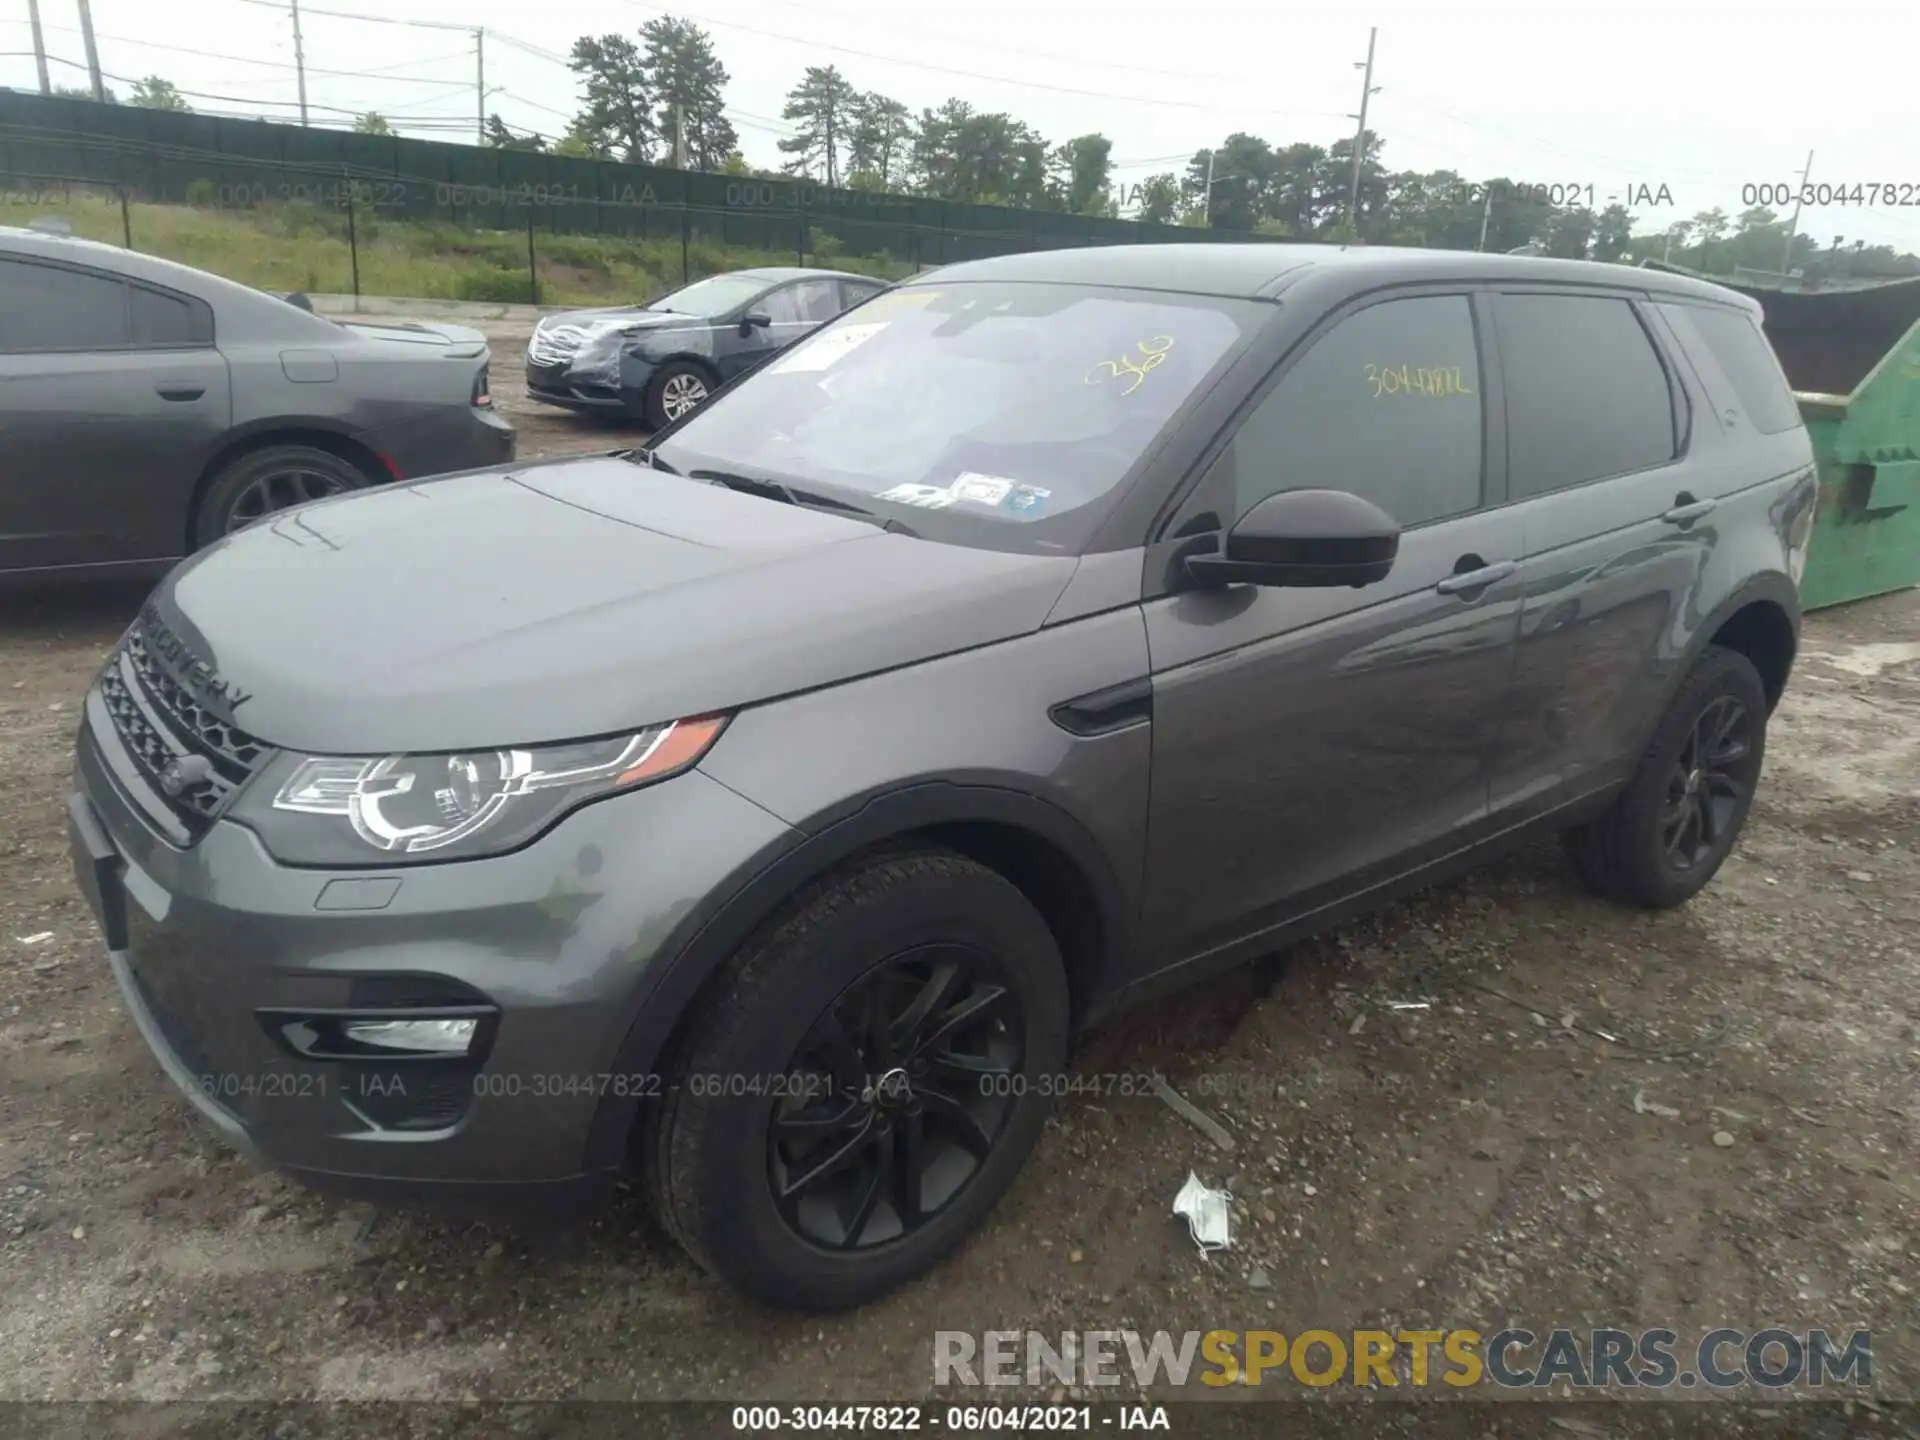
(215, 944)
(607, 389)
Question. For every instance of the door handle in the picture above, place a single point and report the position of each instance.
(1686, 509)
(179, 390)
(1472, 580)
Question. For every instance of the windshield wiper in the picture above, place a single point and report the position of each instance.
(641, 456)
(791, 495)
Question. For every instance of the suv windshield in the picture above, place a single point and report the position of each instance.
(982, 408)
(714, 295)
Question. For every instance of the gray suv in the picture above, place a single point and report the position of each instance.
(769, 809)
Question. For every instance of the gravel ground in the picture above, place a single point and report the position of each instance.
(1740, 1152)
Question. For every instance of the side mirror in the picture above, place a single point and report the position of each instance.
(1312, 538)
(754, 319)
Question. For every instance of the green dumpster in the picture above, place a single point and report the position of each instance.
(1852, 355)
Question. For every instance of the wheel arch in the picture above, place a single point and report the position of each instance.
(1037, 846)
(265, 434)
(1760, 620)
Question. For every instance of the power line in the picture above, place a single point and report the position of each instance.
(818, 44)
(373, 19)
(209, 95)
(1023, 52)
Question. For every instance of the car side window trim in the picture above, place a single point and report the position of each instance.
(1175, 511)
(198, 308)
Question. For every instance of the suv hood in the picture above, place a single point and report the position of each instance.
(551, 602)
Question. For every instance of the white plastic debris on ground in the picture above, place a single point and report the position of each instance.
(1205, 1211)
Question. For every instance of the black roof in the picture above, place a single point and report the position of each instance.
(1262, 270)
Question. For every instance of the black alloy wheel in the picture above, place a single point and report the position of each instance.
(277, 489)
(263, 482)
(862, 1081)
(902, 1089)
(1668, 831)
(1710, 783)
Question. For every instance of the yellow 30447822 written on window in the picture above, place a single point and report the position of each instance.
(1434, 381)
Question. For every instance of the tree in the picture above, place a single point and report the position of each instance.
(583, 142)
(81, 92)
(682, 71)
(1081, 169)
(157, 93)
(372, 123)
(500, 137)
(878, 147)
(821, 107)
(1612, 233)
(935, 162)
(1159, 197)
(1710, 225)
(618, 116)
(1242, 181)
(1570, 232)
(735, 164)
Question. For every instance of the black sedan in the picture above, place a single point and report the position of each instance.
(147, 408)
(660, 360)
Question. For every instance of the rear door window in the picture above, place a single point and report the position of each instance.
(1737, 343)
(49, 308)
(1587, 395)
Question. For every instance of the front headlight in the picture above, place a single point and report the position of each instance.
(355, 810)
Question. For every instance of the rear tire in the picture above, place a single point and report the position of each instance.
(261, 482)
(678, 388)
(1668, 832)
(777, 1166)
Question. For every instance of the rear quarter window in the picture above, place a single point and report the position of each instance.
(1738, 345)
(162, 319)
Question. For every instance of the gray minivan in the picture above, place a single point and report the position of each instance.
(770, 808)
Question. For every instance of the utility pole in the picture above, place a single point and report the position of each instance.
(1206, 200)
(1360, 137)
(39, 47)
(93, 51)
(679, 136)
(1486, 214)
(299, 60)
(1793, 226)
(480, 79)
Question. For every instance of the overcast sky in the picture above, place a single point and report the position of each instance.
(1702, 100)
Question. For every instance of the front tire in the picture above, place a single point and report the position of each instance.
(252, 486)
(1669, 831)
(864, 1084)
(677, 388)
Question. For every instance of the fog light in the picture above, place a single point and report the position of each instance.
(418, 1037)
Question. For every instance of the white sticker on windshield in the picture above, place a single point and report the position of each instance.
(927, 497)
(989, 490)
(827, 348)
(981, 489)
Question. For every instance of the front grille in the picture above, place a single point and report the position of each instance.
(554, 345)
(161, 724)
